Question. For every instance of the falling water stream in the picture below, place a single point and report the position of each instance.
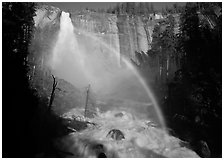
(82, 58)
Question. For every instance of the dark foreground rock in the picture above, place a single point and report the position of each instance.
(116, 134)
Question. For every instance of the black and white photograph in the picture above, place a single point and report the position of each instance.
(111, 79)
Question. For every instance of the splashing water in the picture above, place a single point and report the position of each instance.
(134, 138)
(82, 58)
(140, 78)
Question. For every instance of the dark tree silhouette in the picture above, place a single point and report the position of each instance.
(26, 131)
(195, 92)
(193, 97)
(19, 104)
(52, 93)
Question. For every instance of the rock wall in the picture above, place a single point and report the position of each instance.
(124, 34)
(46, 15)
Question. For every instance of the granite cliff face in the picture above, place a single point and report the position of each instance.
(46, 15)
(99, 33)
(125, 34)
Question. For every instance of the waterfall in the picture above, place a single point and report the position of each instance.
(82, 58)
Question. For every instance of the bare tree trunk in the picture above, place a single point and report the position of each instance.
(52, 93)
(87, 97)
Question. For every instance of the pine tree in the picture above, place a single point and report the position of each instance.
(19, 102)
(201, 53)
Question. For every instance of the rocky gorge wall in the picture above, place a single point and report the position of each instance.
(119, 34)
(125, 34)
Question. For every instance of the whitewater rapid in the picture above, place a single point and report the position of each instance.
(142, 138)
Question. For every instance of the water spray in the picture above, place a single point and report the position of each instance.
(68, 46)
(130, 66)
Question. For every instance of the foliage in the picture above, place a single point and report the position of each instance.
(17, 26)
(132, 8)
(195, 92)
(173, 9)
(26, 130)
(193, 97)
(162, 52)
(142, 8)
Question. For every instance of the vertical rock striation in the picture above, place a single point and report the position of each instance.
(96, 34)
(124, 34)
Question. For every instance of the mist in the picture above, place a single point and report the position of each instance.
(83, 59)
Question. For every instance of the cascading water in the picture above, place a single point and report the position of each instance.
(67, 50)
(82, 58)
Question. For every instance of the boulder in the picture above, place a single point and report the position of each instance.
(115, 134)
(119, 115)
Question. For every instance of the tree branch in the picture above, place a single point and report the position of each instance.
(52, 93)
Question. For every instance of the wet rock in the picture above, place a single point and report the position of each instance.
(78, 125)
(102, 155)
(90, 113)
(151, 124)
(99, 150)
(115, 134)
(203, 149)
(119, 115)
